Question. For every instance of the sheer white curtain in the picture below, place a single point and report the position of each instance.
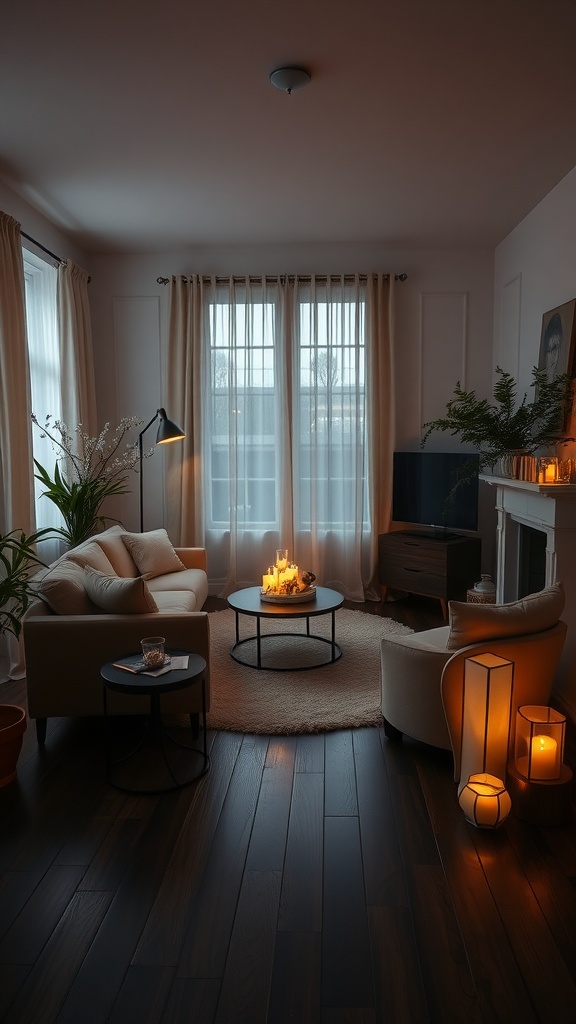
(272, 378)
(16, 486)
(76, 357)
(44, 361)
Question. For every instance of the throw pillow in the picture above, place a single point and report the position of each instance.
(153, 553)
(63, 589)
(119, 595)
(91, 555)
(477, 623)
(120, 558)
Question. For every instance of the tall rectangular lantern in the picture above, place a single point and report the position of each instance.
(486, 716)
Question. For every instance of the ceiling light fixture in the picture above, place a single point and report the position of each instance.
(288, 79)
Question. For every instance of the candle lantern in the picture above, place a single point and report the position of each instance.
(485, 801)
(486, 712)
(548, 470)
(539, 745)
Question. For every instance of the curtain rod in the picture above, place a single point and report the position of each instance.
(290, 277)
(59, 259)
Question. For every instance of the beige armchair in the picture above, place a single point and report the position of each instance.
(422, 674)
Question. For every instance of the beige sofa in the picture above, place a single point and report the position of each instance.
(95, 604)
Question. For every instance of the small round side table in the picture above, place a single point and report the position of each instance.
(157, 736)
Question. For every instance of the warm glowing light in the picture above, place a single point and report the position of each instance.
(544, 763)
(283, 578)
(485, 801)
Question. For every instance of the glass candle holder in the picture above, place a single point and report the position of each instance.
(539, 743)
(153, 651)
(281, 558)
(548, 470)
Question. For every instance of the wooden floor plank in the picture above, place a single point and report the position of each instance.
(340, 777)
(40, 999)
(268, 840)
(247, 977)
(100, 977)
(213, 906)
(295, 991)
(399, 994)
(346, 970)
(192, 1001)
(143, 996)
(309, 753)
(550, 985)
(445, 971)
(161, 941)
(498, 979)
(383, 867)
(554, 890)
(31, 930)
(301, 900)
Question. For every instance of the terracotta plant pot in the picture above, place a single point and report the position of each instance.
(12, 727)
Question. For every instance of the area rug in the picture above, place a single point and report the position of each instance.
(344, 694)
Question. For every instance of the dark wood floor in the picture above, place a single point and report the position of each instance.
(320, 879)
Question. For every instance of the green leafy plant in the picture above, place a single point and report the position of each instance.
(18, 558)
(87, 471)
(504, 426)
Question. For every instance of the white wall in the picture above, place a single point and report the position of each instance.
(535, 271)
(443, 331)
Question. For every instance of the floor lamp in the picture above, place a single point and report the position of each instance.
(167, 431)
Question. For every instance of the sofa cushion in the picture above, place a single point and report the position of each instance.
(175, 601)
(117, 553)
(63, 589)
(193, 580)
(478, 623)
(119, 595)
(90, 554)
(153, 553)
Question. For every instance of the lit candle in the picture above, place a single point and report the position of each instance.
(544, 758)
(550, 473)
(268, 581)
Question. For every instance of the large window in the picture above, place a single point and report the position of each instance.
(265, 382)
(44, 359)
(242, 462)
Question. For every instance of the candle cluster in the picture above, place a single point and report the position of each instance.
(284, 579)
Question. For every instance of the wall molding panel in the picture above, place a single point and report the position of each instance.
(443, 348)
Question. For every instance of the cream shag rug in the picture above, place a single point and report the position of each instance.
(341, 695)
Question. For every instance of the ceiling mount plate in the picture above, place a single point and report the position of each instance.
(288, 79)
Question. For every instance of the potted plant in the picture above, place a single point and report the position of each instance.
(87, 471)
(505, 428)
(18, 558)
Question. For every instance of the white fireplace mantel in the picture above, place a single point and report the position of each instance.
(550, 508)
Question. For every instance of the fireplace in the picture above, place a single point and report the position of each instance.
(541, 517)
(531, 561)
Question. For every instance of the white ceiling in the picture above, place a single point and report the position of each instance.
(149, 126)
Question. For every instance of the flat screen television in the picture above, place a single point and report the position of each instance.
(422, 483)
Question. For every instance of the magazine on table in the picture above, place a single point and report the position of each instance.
(135, 663)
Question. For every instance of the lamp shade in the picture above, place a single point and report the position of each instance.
(167, 430)
(486, 715)
(485, 801)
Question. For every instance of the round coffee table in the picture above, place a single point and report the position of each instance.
(249, 602)
(157, 737)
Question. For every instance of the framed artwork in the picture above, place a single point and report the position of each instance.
(557, 341)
